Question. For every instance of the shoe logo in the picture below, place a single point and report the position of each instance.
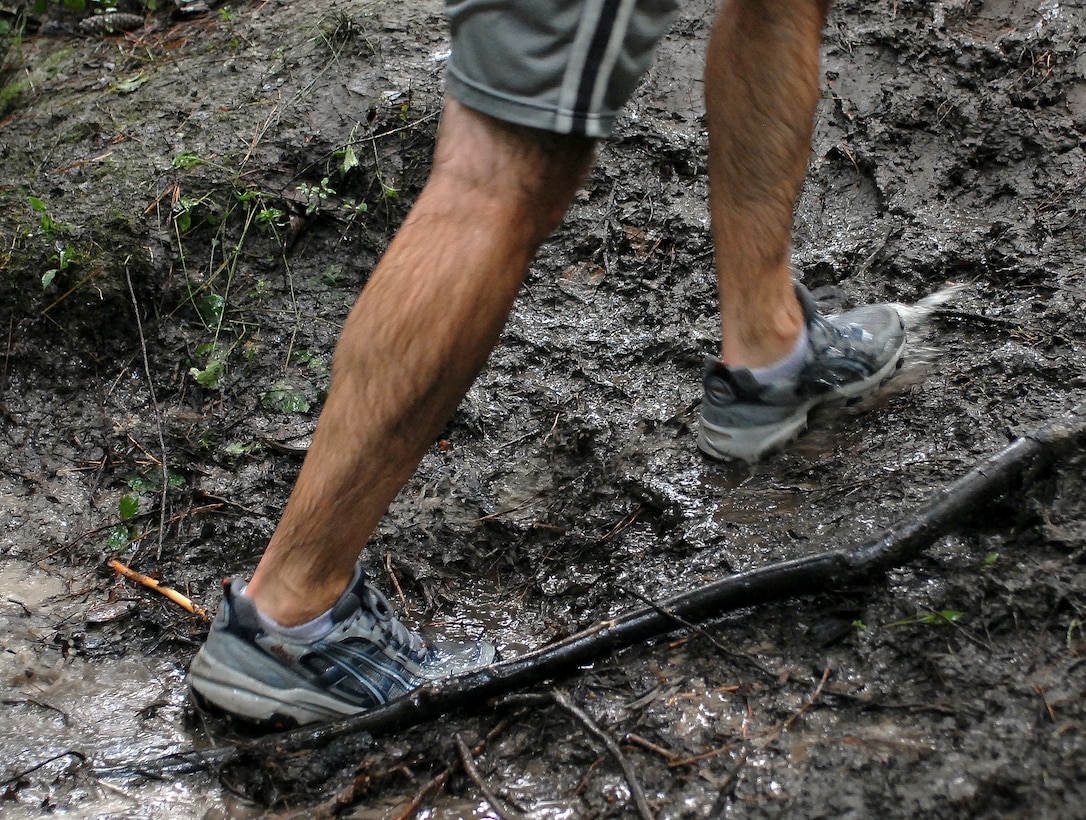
(279, 652)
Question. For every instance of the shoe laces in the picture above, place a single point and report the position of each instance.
(374, 602)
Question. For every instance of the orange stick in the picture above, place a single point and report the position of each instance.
(172, 594)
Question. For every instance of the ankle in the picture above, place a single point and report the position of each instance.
(285, 607)
(759, 345)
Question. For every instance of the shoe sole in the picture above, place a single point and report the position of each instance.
(750, 444)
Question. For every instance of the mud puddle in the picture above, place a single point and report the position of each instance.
(65, 713)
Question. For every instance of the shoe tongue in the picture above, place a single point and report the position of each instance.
(361, 595)
(347, 605)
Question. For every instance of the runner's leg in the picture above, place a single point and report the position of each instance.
(761, 89)
(418, 335)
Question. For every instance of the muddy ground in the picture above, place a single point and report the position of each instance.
(198, 186)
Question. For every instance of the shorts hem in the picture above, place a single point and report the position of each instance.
(519, 111)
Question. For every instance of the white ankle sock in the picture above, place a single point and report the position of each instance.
(786, 367)
(309, 631)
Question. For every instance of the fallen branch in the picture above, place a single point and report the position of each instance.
(802, 576)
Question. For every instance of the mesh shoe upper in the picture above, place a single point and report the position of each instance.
(848, 355)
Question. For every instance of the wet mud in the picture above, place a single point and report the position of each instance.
(210, 193)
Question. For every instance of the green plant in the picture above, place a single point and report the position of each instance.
(124, 533)
(315, 195)
(214, 369)
(46, 222)
(64, 256)
(128, 506)
(285, 398)
(1073, 627)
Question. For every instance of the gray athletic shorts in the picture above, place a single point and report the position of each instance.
(560, 65)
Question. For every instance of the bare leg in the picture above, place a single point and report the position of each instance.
(761, 89)
(420, 332)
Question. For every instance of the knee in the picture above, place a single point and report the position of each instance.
(531, 173)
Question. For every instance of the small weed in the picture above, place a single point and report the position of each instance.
(128, 507)
(64, 256)
(212, 308)
(261, 289)
(153, 484)
(46, 223)
(334, 275)
(270, 217)
(236, 449)
(187, 159)
(859, 626)
(121, 535)
(315, 195)
(285, 398)
(990, 559)
(210, 375)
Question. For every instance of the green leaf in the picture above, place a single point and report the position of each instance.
(128, 506)
(130, 85)
(286, 399)
(141, 484)
(210, 376)
(119, 538)
(48, 277)
(211, 309)
(242, 448)
(186, 159)
(350, 159)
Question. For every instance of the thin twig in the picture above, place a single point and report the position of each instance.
(70, 753)
(803, 709)
(72, 289)
(727, 786)
(638, 794)
(153, 583)
(644, 743)
(158, 411)
(497, 805)
(700, 630)
(433, 786)
(395, 581)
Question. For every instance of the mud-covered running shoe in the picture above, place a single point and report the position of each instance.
(368, 658)
(849, 356)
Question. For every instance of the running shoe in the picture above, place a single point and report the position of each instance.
(849, 357)
(367, 659)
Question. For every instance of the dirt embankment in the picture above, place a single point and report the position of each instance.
(204, 197)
